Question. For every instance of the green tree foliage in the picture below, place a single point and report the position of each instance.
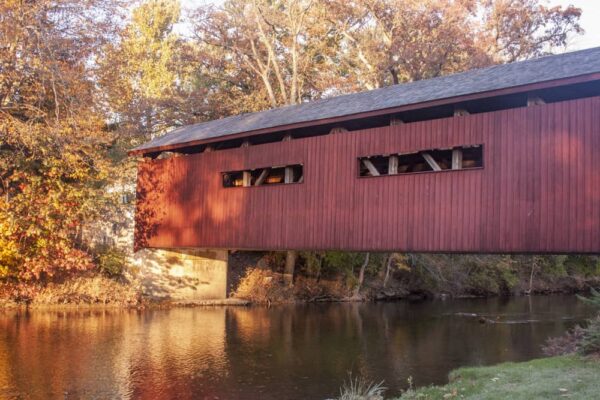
(148, 87)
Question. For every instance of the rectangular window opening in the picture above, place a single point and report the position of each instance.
(278, 175)
(433, 160)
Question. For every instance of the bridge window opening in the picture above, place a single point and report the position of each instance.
(288, 174)
(433, 160)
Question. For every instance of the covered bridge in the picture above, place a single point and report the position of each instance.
(503, 159)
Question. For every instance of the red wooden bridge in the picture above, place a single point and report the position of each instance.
(502, 159)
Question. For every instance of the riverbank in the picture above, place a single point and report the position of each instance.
(572, 377)
(335, 276)
(90, 289)
(256, 277)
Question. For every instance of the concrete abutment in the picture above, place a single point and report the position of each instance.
(183, 275)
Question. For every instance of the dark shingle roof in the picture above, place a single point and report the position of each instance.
(475, 81)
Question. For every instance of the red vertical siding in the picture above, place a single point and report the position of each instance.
(539, 190)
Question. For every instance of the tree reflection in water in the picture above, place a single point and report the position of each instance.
(268, 353)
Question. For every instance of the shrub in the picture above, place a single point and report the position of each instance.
(569, 343)
(111, 261)
(583, 340)
(586, 266)
(590, 342)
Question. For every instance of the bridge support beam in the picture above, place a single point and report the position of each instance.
(183, 275)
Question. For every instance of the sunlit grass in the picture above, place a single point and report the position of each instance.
(570, 377)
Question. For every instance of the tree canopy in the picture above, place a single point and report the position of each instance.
(81, 81)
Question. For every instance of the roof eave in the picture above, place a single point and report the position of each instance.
(384, 111)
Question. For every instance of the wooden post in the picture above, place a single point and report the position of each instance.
(261, 178)
(457, 157)
(338, 129)
(393, 165)
(432, 163)
(246, 179)
(459, 112)
(287, 138)
(289, 175)
(367, 163)
(245, 143)
(533, 100)
(208, 148)
(290, 265)
(396, 121)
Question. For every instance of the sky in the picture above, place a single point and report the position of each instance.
(590, 20)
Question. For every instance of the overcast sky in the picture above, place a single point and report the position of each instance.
(590, 20)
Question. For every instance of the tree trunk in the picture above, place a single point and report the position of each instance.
(387, 271)
(532, 273)
(361, 275)
(290, 264)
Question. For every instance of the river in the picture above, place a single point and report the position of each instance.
(282, 352)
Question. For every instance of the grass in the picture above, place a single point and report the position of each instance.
(569, 377)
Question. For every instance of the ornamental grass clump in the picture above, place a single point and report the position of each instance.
(360, 389)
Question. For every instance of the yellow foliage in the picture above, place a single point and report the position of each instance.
(9, 254)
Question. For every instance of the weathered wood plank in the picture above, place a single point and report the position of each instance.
(261, 178)
(457, 158)
(338, 129)
(393, 165)
(246, 178)
(432, 163)
(289, 175)
(534, 100)
(372, 170)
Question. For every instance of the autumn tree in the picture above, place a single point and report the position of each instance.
(148, 87)
(393, 41)
(53, 141)
(261, 54)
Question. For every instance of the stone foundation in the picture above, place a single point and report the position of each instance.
(183, 275)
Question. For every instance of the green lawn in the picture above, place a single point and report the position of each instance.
(569, 377)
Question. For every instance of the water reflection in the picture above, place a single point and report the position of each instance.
(258, 353)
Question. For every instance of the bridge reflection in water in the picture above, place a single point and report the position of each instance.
(258, 353)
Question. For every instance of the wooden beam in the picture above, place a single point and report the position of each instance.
(533, 100)
(289, 175)
(287, 138)
(367, 163)
(261, 178)
(208, 149)
(432, 163)
(301, 179)
(396, 121)
(459, 112)
(457, 157)
(246, 179)
(393, 165)
(338, 129)
(245, 143)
